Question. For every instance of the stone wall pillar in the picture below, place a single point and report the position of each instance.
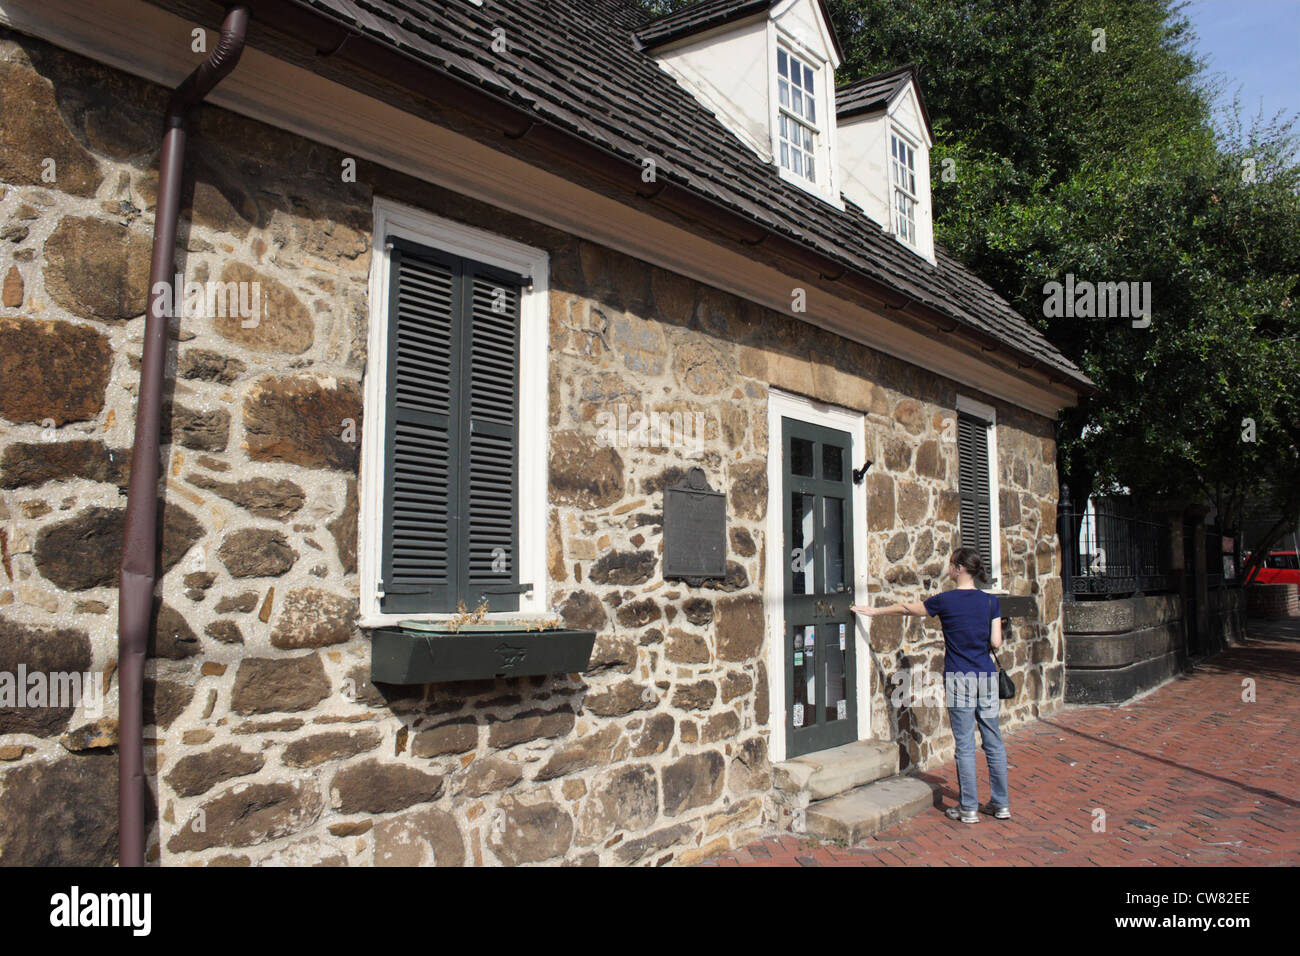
(1119, 648)
(1195, 582)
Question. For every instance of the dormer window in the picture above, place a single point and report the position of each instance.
(883, 143)
(797, 120)
(902, 163)
(766, 70)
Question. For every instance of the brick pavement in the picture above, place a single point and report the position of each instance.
(1187, 775)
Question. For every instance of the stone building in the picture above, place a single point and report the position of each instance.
(698, 253)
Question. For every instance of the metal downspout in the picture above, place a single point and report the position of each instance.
(140, 532)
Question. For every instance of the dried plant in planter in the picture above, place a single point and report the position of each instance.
(545, 624)
(478, 619)
(465, 616)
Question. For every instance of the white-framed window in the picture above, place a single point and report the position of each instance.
(979, 524)
(451, 420)
(902, 166)
(798, 132)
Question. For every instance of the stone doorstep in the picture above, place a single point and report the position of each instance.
(828, 773)
(858, 814)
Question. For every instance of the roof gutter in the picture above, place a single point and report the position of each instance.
(139, 573)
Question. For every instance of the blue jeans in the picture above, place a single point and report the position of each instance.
(971, 699)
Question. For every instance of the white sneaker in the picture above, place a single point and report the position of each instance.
(965, 816)
(1001, 813)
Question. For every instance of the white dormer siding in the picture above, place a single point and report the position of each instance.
(871, 175)
(735, 70)
(726, 70)
(864, 165)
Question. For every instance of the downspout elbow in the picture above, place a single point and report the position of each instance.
(230, 46)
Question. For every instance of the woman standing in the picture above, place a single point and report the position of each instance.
(972, 623)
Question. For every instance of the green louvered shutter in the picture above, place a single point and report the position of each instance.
(421, 484)
(451, 447)
(490, 397)
(975, 526)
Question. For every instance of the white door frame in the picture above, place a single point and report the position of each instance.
(788, 405)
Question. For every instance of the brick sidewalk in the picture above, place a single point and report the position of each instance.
(1189, 775)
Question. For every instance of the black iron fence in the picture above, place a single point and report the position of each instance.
(1113, 548)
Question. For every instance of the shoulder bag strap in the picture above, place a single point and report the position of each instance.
(992, 654)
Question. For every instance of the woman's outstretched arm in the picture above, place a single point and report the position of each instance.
(913, 608)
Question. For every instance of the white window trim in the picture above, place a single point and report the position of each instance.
(922, 142)
(827, 186)
(915, 242)
(990, 414)
(408, 222)
(793, 57)
(787, 404)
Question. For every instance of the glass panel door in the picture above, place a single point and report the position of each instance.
(821, 697)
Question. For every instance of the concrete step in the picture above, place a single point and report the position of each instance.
(828, 773)
(856, 815)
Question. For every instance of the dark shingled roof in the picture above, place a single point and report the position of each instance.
(575, 64)
(708, 14)
(876, 92)
(696, 18)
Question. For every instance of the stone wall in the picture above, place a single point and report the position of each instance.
(262, 722)
(1116, 649)
(1119, 648)
(1227, 617)
(1273, 601)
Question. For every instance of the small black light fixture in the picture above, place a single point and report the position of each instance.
(860, 473)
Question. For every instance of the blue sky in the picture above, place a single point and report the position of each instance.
(1255, 47)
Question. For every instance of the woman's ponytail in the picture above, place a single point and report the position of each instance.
(969, 560)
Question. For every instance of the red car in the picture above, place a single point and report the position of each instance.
(1280, 567)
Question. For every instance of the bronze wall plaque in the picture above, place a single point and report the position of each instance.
(695, 530)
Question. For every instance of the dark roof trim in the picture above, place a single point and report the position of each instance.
(709, 14)
(696, 19)
(875, 93)
(870, 93)
(331, 37)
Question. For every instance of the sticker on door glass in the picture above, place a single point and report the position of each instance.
(808, 658)
(797, 715)
(798, 658)
(841, 709)
(841, 637)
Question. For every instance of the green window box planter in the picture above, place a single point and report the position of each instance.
(407, 655)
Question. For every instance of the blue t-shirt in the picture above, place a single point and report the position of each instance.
(966, 615)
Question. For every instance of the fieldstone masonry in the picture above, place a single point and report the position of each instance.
(259, 707)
